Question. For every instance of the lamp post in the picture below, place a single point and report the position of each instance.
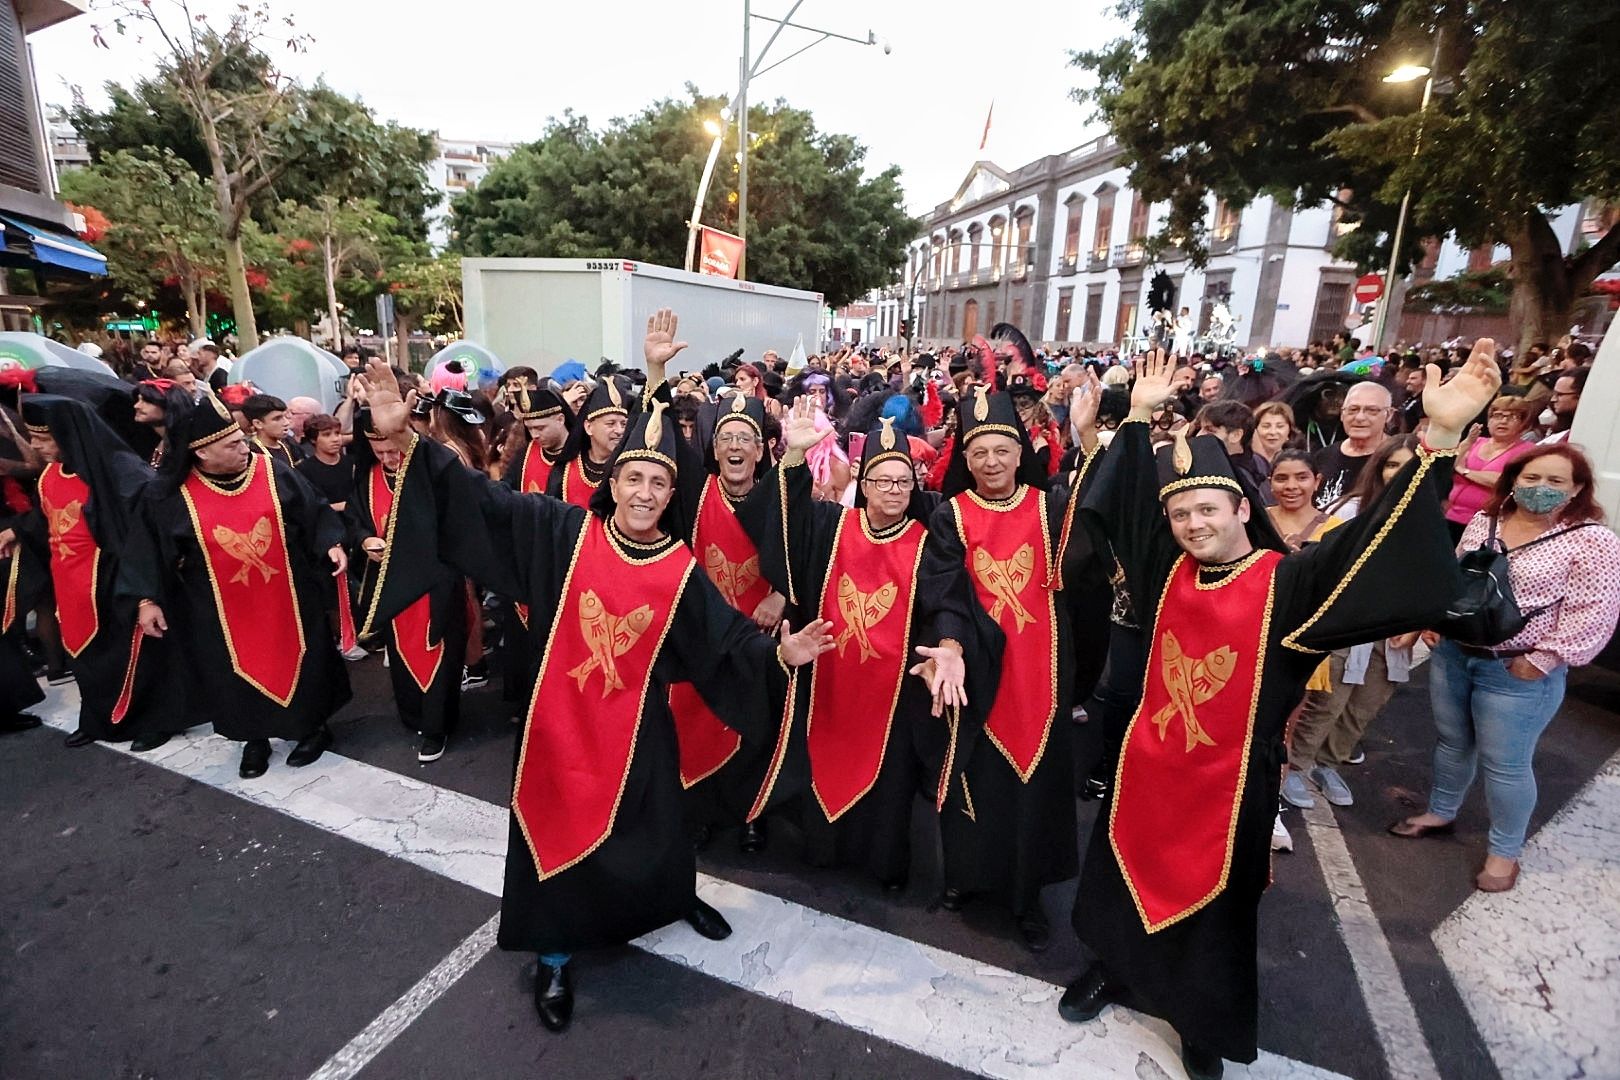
(1402, 74)
(717, 133)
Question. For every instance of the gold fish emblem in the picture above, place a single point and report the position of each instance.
(1005, 579)
(733, 579)
(1191, 683)
(862, 612)
(247, 548)
(63, 519)
(608, 636)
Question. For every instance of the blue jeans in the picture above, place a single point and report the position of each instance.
(1486, 716)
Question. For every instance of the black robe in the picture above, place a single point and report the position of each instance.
(1002, 836)
(1201, 973)
(875, 833)
(22, 575)
(437, 710)
(643, 875)
(166, 564)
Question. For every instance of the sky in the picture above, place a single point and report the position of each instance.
(497, 69)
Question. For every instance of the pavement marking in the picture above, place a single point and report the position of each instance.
(1394, 1017)
(392, 1021)
(957, 1010)
(1538, 967)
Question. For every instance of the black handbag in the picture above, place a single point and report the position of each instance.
(1486, 613)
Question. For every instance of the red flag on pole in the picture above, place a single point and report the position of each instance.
(720, 252)
(984, 140)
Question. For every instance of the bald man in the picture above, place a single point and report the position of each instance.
(1365, 417)
(299, 411)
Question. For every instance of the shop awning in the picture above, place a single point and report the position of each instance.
(57, 248)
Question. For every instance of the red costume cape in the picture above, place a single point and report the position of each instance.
(413, 627)
(535, 471)
(576, 488)
(75, 557)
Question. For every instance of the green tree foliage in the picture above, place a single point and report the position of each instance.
(815, 221)
(347, 239)
(1286, 98)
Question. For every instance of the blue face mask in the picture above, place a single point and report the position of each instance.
(1540, 498)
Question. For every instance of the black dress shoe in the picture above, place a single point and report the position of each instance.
(708, 922)
(1036, 931)
(58, 676)
(311, 747)
(1201, 1062)
(255, 758)
(1094, 788)
(149, 741)
(10, 725)
(554, 996)
(80, 737)
(1087, 996)
(753, 838)
(952, 899)
(896, 884)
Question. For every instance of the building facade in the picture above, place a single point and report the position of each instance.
(1056, 247)
(459, 166)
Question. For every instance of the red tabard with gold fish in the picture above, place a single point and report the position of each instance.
(731, 560)
(1009, 559)
(586, 709)
(536, 470)
(75, 558)
(413, 627)
(854, 689)
(244, 544)
(576, 488)
(1180, 774)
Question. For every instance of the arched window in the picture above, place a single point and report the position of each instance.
(970, 320)
(998, 243)
(975, 243)
(956, 251)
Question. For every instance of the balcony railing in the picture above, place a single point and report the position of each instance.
(1131, 254)
(1069, 264)
(1223, 245)
(1099, 259)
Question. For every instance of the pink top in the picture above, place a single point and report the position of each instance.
(1469, 498)
(1578, 573)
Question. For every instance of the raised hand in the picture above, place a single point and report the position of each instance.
(1084, 401)
(804, 646)
(799, 431)
(1452, 404)
(1154, 385)
(659, 347)
(390, 412)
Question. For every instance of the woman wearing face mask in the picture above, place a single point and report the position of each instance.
(1491, 705)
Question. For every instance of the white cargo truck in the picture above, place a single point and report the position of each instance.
(541, 312)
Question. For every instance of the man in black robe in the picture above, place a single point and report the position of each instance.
(235, 557)
(85, 507)
(1173, 875)
(599, 852)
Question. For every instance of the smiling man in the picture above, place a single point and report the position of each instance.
(1173, 875)
(581, 466)
(599, 852)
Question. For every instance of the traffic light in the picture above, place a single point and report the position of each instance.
(905, 328)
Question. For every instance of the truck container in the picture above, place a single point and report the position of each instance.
(542, 312)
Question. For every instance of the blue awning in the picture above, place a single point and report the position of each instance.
(59, 249)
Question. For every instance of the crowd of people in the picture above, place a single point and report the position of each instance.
(746, 596)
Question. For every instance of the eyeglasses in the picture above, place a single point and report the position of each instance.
(740, 438)
(1503, 414)
(887, 485)
(1364, 410)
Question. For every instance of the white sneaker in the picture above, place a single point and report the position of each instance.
(1280, 838)
(355, 653)
(1294, 791)
(1334, 789)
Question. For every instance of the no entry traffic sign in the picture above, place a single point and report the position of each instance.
(1369, 287)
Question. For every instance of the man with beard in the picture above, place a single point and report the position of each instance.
(1168, 899)
(84, 511)
(582, 465)
(1000, 551)
(231, 561)
(599, 851)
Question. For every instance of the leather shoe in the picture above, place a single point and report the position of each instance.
(1201, 1062)
(1486, 881)
(149, 741)
(1087, 996)
(1036, 931)
(1407, 830)
(952, 899)
(708, 922)
(10, 725)
(554, 996)
(753, 839)
(255, 758)
(80, 737)
(311, 747)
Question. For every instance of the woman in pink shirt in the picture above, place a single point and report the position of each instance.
(1491, 705)
(1480, 466)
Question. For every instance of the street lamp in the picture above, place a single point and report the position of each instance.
(1403, 74)
(717, 133)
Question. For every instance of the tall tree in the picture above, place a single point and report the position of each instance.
(426, 292)
(1286, 98)
(348, 236)
(816, 220)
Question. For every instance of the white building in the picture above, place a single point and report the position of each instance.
(459, 166)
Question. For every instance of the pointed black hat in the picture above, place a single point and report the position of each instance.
(609, 396)
(1199, 462)
(530, 404)
(651, 436)
(987, 413)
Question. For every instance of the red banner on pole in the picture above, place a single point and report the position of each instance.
(720, 252)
